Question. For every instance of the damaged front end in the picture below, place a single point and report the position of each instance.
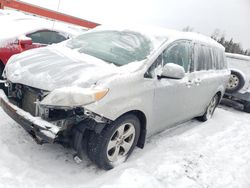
(45, 117)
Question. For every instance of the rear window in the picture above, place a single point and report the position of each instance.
(208, 58)
(46, 37)
(219, 59)
(200, 58)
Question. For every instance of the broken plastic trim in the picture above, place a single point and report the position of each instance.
(43, 111)
(96, 117)
(43, 130)
(3, 81)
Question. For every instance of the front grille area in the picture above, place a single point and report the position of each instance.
(29, 102)
(28, 98)
(25, 97)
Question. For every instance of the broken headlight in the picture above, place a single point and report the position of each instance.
(73, 96)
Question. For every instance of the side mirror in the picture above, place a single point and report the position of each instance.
(173, 71)
(23, 40)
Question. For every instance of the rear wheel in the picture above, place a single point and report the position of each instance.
(235, 83)
(247, 107)
(115, 143)
(210, 109)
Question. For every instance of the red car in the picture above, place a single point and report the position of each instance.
(20, 33)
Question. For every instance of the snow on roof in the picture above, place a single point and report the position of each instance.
(201, 38)
(238, 56)
(16, 23)
(166, 33)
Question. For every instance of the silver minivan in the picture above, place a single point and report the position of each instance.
(105, 91)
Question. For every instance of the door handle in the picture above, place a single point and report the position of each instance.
(197, 81)
(189, 83)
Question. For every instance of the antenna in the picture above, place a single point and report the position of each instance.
(59, 3)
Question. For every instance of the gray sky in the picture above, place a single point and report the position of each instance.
(232, 17)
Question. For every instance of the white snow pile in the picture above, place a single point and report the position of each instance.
(211, 154)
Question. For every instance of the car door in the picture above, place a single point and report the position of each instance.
(175, 100)
(208, 73)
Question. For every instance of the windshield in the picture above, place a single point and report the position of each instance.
(117, 47)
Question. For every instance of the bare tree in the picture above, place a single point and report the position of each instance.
(188, 29)
(230, 45)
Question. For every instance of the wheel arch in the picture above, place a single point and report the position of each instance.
(219, 93)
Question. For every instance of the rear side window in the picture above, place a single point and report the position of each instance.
(202, 57)
(223, 63)
(219, 59)
(208, 58)
(179, 53)
(46, 37)
(216, 58)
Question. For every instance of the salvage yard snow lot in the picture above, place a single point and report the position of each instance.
(211, 154)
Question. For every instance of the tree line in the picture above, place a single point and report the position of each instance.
(230, 45)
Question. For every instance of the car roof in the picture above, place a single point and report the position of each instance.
(17, 23)
(16, 27)
(168, 34)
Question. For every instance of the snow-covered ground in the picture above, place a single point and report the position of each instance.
(208, 155)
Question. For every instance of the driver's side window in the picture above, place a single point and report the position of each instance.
(179, 53)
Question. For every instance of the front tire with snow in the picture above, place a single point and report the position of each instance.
(115, 143)
(210, 109)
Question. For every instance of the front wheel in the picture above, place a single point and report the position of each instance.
(115, 143)
(210, 109)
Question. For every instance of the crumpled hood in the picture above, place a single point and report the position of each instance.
(56, 66)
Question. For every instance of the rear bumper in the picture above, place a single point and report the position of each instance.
(42, 131)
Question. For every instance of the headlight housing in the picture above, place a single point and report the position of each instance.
(73, 96)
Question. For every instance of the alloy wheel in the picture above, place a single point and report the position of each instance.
(211, 107)
(233, 82)
(121, 142)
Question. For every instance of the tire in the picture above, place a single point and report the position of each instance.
(1, 69)
(247, 107)
(210, 109)
(236, 82)
(107, 149)
(1, 72)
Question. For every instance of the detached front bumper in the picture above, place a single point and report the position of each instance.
(42, 131)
